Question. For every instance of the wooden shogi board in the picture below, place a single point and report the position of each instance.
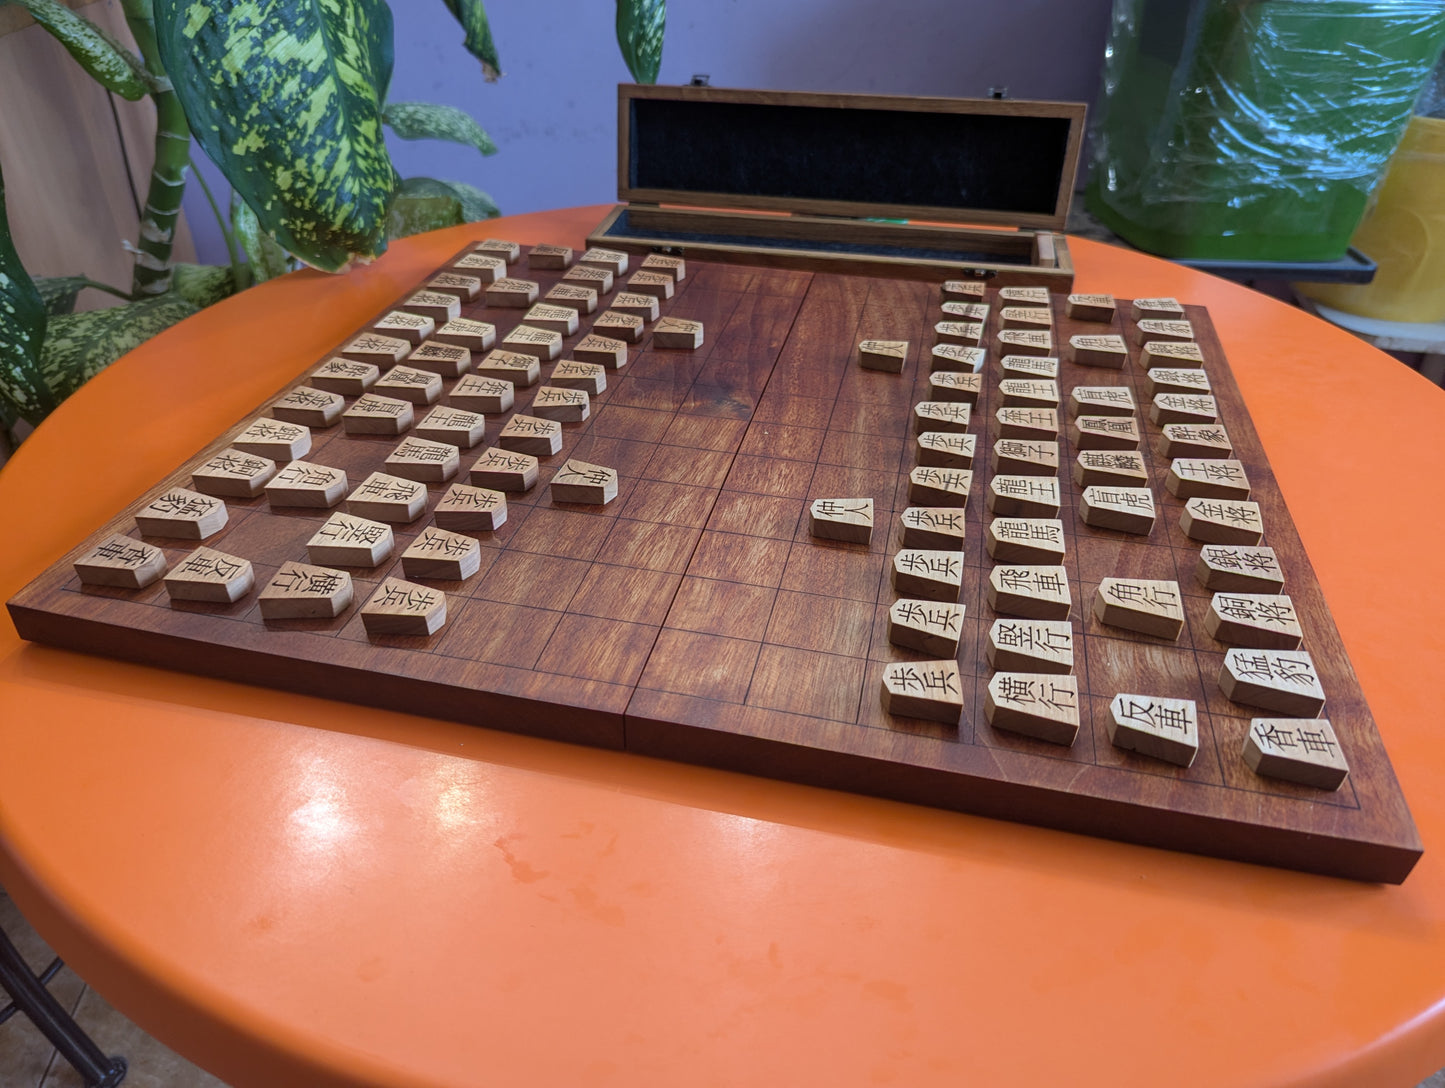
(695, 618)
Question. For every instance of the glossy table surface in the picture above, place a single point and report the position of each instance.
(295, 892)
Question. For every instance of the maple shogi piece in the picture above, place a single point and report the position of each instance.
(930, 627)
(442, 555)
(1183, 408)
(1102, 400)
(410, 384)
(375, 414)
(504, 470)
(955, 385)
(1029, 393)
(963, 291)
(309, 407)
(963, 333)
(345, 376)
(1019, 645)
(388, 498)
(1024, 296)
(1040, 423)
(675, 267)
(946, 449)
(1156, 309)
(630, 302)
(313, 487)
(657, 284)
(485, 266)
(1262, 621)
(956, 357)
(1301, 750)
(885, 355)
(1092, 308)
(413, 328)
(614, 260)
(1176, 380)
(932, 527)
(346, 540)
(121, 561)
(499, 248)
(579, 481)
(930, 573)
(486, 394)
(182, 514)
(463, 332)
(532, 435)
(399, 607)
(1030, 592)
(923, 689)
(574, 296)
(1166, 729)
(1105, 433)
(1227, 568)
(1024, 496)
(939, 486)
(549, 257)
(617, 325)
(1194, 440)
(1284, 681)
(545, 344)
(849, 520)
(1026, 341)
(513, 293)
(941, 415)
(464, 288)
(423, 460)
(444, 360)
(1026, 317)
(677, 333)
(584, 275)
(1104, 351)
(603, 350)
(454, 426)
(232, 474)
(1040, 705)
(966, 311)
(1139, 604)
(301, 591)
(379, 350)
(1020, 457)
(471, 509)
(559, 319)
(1025, 540)
(1172, 354)
(1176, 332)
(1030, 366)
(212, 576)
(437, 305)
(1207, 477)
(590, 378)
(1122, 509)
(563, 405)
(1110, 468)
(273, 438)
(515, 367)
(1222, 521)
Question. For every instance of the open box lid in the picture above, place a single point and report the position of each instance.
(958, 160)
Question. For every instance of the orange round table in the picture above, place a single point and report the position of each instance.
(291, 891)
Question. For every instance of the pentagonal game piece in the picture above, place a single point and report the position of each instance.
(1122, 509)
(232, 474)
(966, 311)
(630, 302)
(121, 561)
(499, 248)
(307, 485)
(963, 291)
(959, 357)
(923, 689)
(485, 266)
(1030, 592)
(513, 293)
(1093, 308)
(309, 407)
(274, 439)
(590, 378)
(301, 591)
(409, 384)
(1151, 607)
(930, 627)
(929, 573)
(437, 305)
(941, 415)
(675, 267)
(1183, 408)
(966, 333)
(1026, 342)
(345, 376)
(1149, 331)
(445, 360)
(1028, 296)
(563, 405)
(1194, 440)
(1029, 393)
(614, 260)
(1025, 540)
(1265, 621)
(603, 350)
(454, 426)
(946, 449)
(1022, 457)
(504, 470)
(1040, 705)
(1228, 568)
(527, 340)
(1166, 729)
(656, 284)
(1301, 750)
(549, 256)
(1039, 423)
(955, 385)
(399, 607)
(600, 279)
(531, 434)
(466, 288)
(1029, 366)
(443, 555)
(1156, 309)
(677, 333)
(383, 497)
(1285, 681)
(1170, 353)
(1110, 468)
(1024, 496)
(466, 333)
(346, 540)
(579, 481)
(1222, 521)
(1176, 380)
(1102, 400)
(1026, 317)
(423, 460)
(932, 527)
(470, 509)
(574, 296)
(1102, 351)
(484, 394)
(1207, 477)
(521, 369)
(182, 514)
(378, 350)
(849, 520)
(1024, 645)
(373, 413)
(929, 486)
(1105, 433)
(558, 319)
(413, 328)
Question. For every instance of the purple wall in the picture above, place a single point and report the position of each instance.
(553, 115)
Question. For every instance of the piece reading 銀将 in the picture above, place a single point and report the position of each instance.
(1227, 568)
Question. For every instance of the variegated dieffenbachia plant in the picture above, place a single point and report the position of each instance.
(289, 99)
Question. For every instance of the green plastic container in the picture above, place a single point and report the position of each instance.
(1253, 129)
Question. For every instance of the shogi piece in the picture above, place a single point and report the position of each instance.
(404, 608)
(885, 355)
(1228, 568)
(346, 540)
(1194, 440)
(545, 344)
(301, 591)
(1207, 477)
(932, 527)
(121, 561)
(1026, 296)
(1176, 380)
(1026, 342)
(966, 311)
(1025, 540)
(930, 627)
(1030, 366)
(656, 284)
(963, 291)
(1024, 496)
(1183, 408)
(345, 376)
(509, 366)
(1284, 681)
(931, 486)
(442, 555)
(445, 360)
(532, 435)
(410, 384)
(375, 414)
(1156, 309)
(574, 296)
(603, 350)
(930, 573)
(563, 405)
(209, 575)
(1040, 705)
(1026, 317)
(1029, 393)
(849, 520)
(1102, 400)
(504, 470)
(1134, 604)
(454, 426)
(1171, 353)
(965, 333)
(630, 302)
(1019, 457)
(955, 385)
(274, 439)
(181, 514)
(388, 498)
(1019, 645)
(599, 279)
(303, 484)
(549, 257)
(466, 333)
(1030, 592)
(1105, 433)
(1092, 308)
(1122, 509)
(1166, 729)
(946, 449)
(485, 394)
(923, 689)
(678, 334)
(1104, 351)
(1150, 331)
(559, 319)
(513, 293)
(614, 260)
(1263, 621)
(1110, 468)
(413, 328)
(591, 378)
(675, 267)
(579, 481)
(469, 509)
(437, 305)
(941, 415)
(423, 460)
(1301, 750)
(309, 407)
(232, 474)
(1039, 423)
(1222, 521)
(616, 325)
(957, 357)
(487, 268)
(465, 288)
(499, 248)
(379, 350)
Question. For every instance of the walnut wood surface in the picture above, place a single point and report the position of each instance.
(694, 617)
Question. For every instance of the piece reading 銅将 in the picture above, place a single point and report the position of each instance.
(1166, 729)
(1262, 621)
(232, 474)
(1040, 705)
(1176, 380)
(849, 520)
(1150, 607)
(1171, 353)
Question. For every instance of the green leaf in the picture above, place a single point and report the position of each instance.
(473, 17)
(60, 292)
(108, 62)
(285, 96)
(423, 204)
(429, 121)
(202, 284)
(23, 391)
(80, 346)
(640, 24)
(266, 259)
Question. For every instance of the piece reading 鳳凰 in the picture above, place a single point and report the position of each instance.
(409, 384)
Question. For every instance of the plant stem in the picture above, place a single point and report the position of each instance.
(107, 288)
(237, 271)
